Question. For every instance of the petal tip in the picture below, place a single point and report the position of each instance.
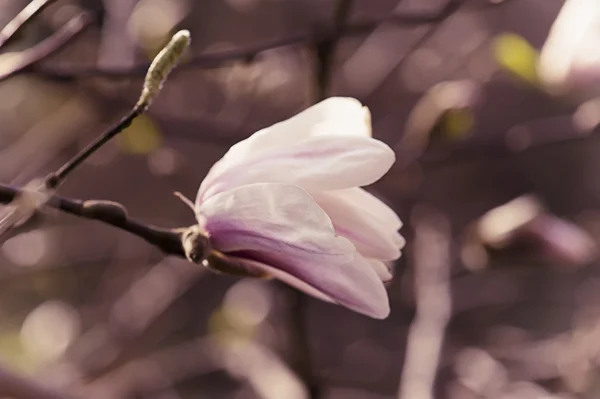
(380, 312)
(377, 306)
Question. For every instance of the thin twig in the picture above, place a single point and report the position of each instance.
(54, 179)
(157, 73)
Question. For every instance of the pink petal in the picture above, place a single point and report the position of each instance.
(282, 225)
(382, 270)
(360, 221)
(372, 205)
(353, 285)
(328, 146)
(273, 217)
(283, 276)
(317, 163)
(343, 115)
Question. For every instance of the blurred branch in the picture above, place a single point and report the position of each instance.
(218, 59)
(524, 228)
(299, 336)
(498, 148)
(108, 343)
(19, 387)
(433, 302)
(30, 11)
(570, 356)
(117, 47)
(13, 62)
(326, 48)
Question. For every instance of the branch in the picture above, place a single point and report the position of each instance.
(111, 213)
(218, 59)
(28, 201)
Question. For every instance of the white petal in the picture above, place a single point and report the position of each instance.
(370, 237)
(326, 162)
(372, 205)
(281, 225)
(338, 116)
(361, 222)
(382, 270)
(344, 115)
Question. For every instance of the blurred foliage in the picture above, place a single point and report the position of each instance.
(142, 137)
(517, 56)
(457, 124)
(13, 353)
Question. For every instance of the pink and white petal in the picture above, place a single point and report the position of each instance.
(282, 276)
(274, 218)
(354, 285)
(382, 270)
(399, 241)
(318, 163)
(333, 116)
(371, 204)
(282, 225)
(335, 111)
(372, 237)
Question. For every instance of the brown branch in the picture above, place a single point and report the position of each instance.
(111, 213)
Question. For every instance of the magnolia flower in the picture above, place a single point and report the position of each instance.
(286, 202)
(570, 57)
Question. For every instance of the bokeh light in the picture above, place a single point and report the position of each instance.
(49, 330)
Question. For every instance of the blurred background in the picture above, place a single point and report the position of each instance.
(497, 294)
